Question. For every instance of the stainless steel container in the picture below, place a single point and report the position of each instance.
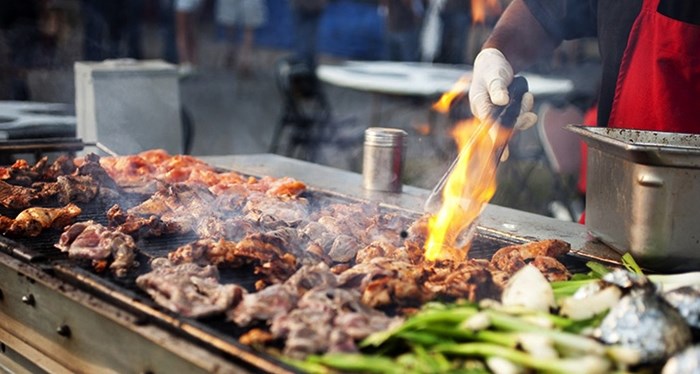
(382, 161)
(643, 194)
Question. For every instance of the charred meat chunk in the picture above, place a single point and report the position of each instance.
(264, 305)
(90, 240)
(327, 320)
(140, 226)
(189, 289)
(263, 251)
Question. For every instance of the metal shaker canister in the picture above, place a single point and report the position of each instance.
(383, 157)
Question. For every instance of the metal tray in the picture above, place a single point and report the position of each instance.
(644, 147)
(642, 195)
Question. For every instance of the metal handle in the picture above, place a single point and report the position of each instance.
(507, 115)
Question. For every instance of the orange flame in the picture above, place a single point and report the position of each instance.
(458, 89)
(480, 8)
(469, 187)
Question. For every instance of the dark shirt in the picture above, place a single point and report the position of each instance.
(18, 12)
(610, 21)
(462, 6)
(402, 16)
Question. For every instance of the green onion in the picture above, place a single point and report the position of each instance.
(585, 364)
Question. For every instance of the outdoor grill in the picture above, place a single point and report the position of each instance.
(59, 315)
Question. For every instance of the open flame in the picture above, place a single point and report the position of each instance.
(470, 185)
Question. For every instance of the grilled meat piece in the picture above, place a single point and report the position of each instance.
(263, 251)
(66, 189)
(281, 298)
(469, 280)
(274, 212)
(380, 249)
(180, 205)
(542, 254)
(22, 174)
(312, 276)
(32, 221)
(90, 240)
(264, 305)
(387, 282)
(91, 167)
(286, 187)
(16, 197)
(267, 254)
(76, 188)
(176, 198)
(203, 252)
(189, 289)
(552, 269)
(508, 259)
(60, 182)
(344, 248)
(327, 320)
(527, 251)
(139, 226)
(139, 172)
(255, 337)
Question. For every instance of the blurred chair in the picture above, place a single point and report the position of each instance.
(306, 123)
(561, 150)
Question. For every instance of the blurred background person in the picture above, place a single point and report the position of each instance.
(112, 29)
(30, 32)
(456, 20)
(166, 25)
(403, 19)
(186, 12)
(246, 16)
(306, 15)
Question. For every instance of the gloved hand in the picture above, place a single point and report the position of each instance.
(489, 87)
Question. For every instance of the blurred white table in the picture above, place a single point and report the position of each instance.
(419, 79)
(425, 81)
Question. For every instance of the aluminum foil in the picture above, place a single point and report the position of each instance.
(644, 321)
(687, 301)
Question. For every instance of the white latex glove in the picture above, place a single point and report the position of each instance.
(489, 87)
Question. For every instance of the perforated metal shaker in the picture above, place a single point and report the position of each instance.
(382, 161)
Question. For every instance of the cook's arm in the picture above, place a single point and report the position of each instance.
(516, 42)
(520, 37)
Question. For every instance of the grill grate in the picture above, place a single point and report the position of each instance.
(214, 332)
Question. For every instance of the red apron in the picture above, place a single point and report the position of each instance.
(658, 87)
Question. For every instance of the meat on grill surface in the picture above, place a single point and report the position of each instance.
(264, 252)
(189, 289)
(328, 269)
(264, 304)
(310, 314)
(157, 165)
(32, 221)
(327, 319)
(542, 254)
(91, 167)
(58, 183)
(141, 226)
(179, 205)
(22, 174)
(16, 197)
(90, 240)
